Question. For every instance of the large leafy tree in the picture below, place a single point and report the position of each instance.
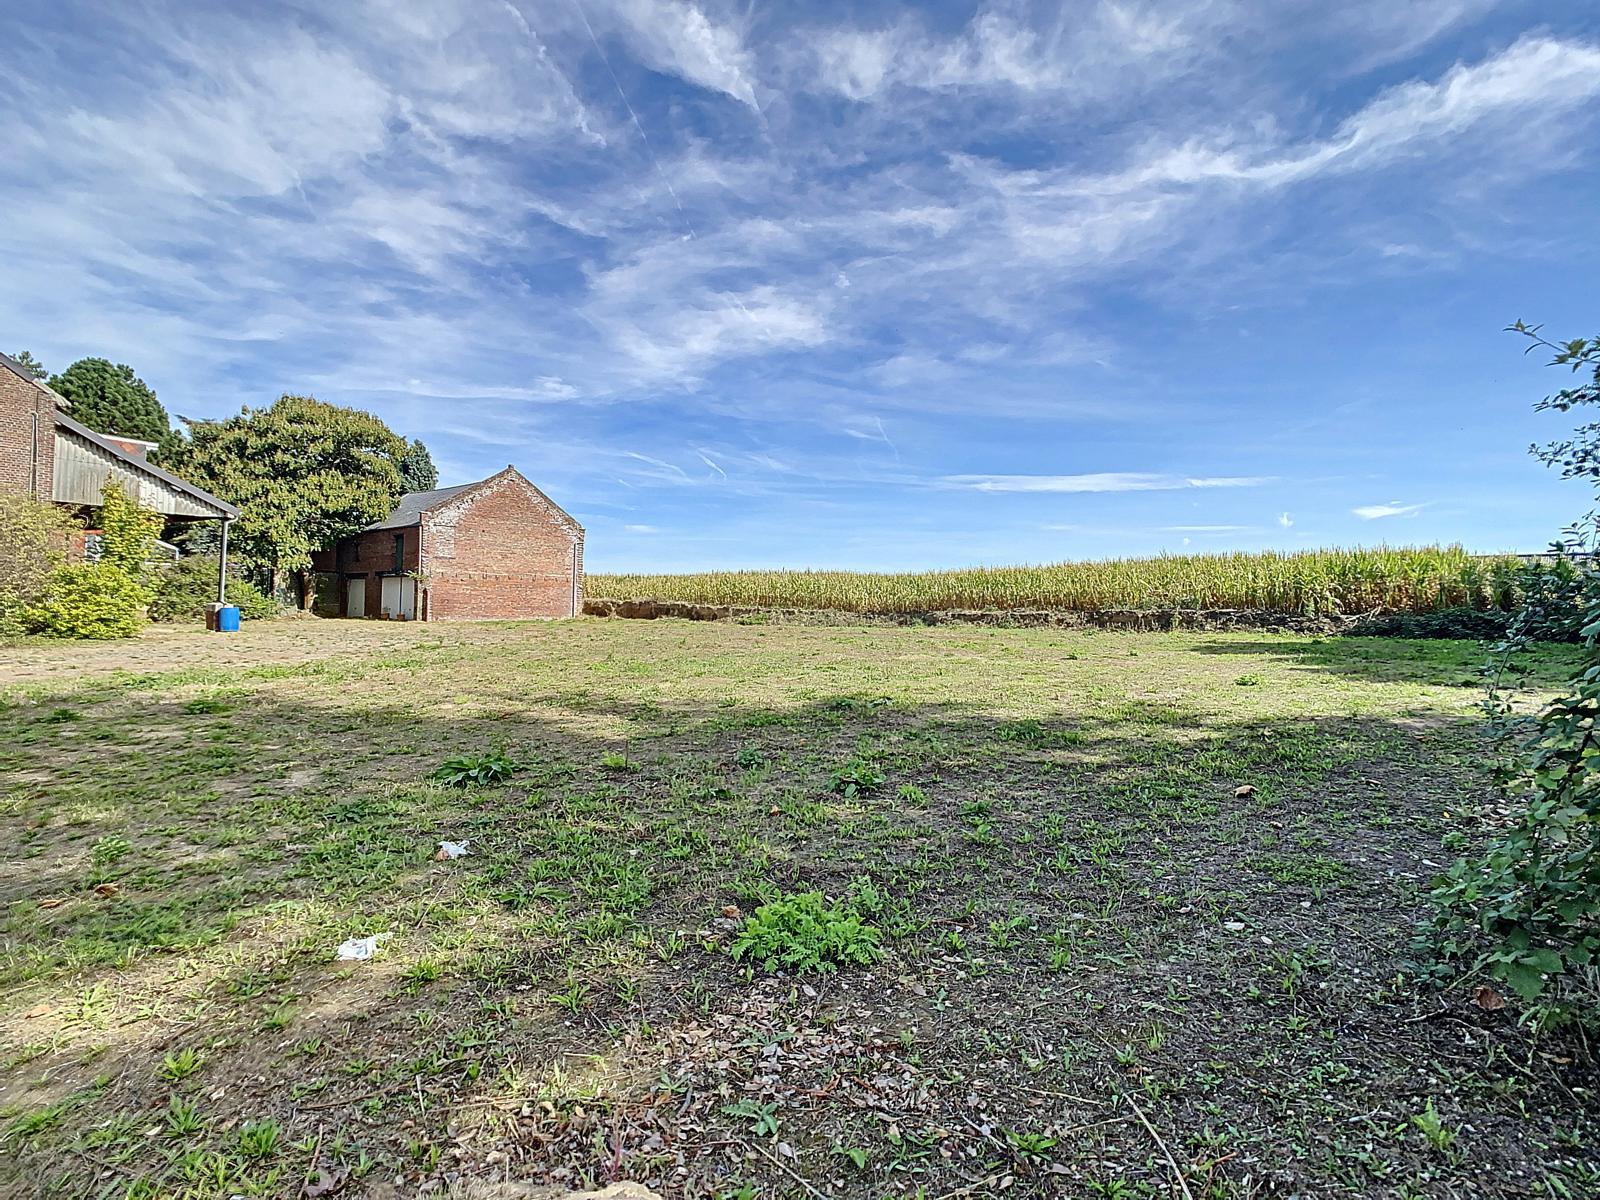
(417, 472)
(303, 473)
(109, 398)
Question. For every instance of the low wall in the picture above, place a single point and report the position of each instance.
(1113, 618)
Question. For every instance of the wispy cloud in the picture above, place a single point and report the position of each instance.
(681, 39)
(1376, 512)
(1101, 481)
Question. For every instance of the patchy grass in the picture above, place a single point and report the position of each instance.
(1130, 919)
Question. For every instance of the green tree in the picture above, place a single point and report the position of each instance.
(109, 398)
(30, 364)
(128, 532)
(417, 472)
(303, 473)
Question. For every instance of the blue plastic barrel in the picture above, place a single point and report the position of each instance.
(228, 619)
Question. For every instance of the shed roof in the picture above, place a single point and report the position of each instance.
(79, 477)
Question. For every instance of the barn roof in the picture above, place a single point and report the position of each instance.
(411, 506)
(408, 511)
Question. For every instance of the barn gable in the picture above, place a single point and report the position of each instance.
(445, 516)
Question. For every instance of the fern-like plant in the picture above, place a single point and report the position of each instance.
(803, 933)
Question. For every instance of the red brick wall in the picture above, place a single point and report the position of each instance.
(20, 402)
(500, 552)
(373, 554)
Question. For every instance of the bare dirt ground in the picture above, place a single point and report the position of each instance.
(1143, 910)
(173, 647)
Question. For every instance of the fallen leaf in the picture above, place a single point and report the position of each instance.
(106, 890)
(1489, 1000)
(325, 1183)
(774, 811)
(731, 911)
(53, 902)
(1244, 790)
(38, 1010)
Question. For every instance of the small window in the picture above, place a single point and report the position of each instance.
(399, 553)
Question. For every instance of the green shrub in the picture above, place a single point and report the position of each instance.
(89, 600)
(802, 932)
(1527, 911)
(1546, 605)
(181, 591)
(1552, 600)
(32, 537)
(1468, 624)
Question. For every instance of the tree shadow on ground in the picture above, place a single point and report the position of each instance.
(1439, 662)
(1076, 909)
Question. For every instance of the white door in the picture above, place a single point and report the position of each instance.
(400, 597)
(355, 598)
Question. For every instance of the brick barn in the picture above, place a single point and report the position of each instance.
(496, 550)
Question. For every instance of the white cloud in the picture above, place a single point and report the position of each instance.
(641, 529)
(1536, 76)
(1086, 48)
(1102, 481)
(679, 39)
(1374, 512)
(1285, 520)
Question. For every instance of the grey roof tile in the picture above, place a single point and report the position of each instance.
(411, 506)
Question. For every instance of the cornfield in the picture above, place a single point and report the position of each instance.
(1314, 583)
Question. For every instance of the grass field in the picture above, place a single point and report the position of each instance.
(1145, 903)
(1313, 583)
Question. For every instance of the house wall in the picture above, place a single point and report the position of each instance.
(501, 552)
(20, 403)
(372, 554)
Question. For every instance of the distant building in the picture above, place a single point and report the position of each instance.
(498, 549)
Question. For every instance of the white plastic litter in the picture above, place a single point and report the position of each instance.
(448, 850)
(360, 949)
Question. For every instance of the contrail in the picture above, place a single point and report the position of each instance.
(643, 136)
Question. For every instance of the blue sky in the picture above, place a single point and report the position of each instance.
(844, 285)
